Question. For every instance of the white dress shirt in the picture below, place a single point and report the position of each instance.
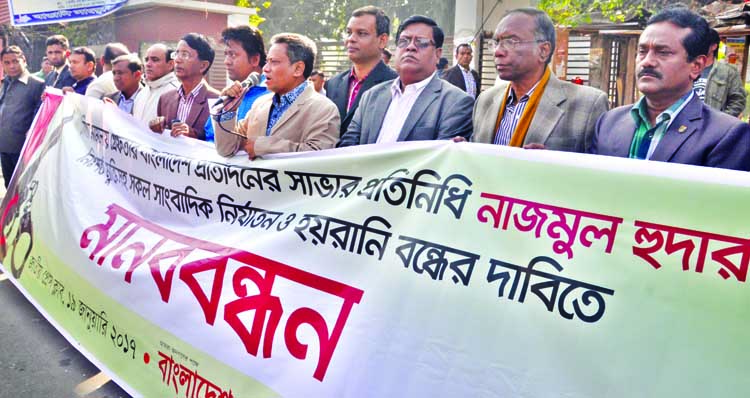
(398, 110)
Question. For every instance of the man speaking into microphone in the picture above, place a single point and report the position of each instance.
(244, 54)
(294, 119)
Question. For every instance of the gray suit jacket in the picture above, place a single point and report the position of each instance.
(564, 120)
(700, 135)
(441, 111)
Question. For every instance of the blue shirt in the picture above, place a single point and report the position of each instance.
(247, 102)
(281, 104)
(81, 85)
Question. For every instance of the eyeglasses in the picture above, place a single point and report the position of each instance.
(510, 43)
(419, 42)
(183, 55)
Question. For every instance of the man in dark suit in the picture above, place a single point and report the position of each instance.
(366, 36)
(670, 123)
(58, 51)
(461, 75)
(418, 105)
(185, 110)
(20, 97)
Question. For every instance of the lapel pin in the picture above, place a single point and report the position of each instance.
(682, 129)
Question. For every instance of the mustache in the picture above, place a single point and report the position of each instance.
(650, 71)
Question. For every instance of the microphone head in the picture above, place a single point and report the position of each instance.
(252, 80)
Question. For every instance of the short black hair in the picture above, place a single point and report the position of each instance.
(60, 40)
(250, 38)
(697, 42)
(387, 53)
(318, 72)
(12, 50)
(458, 47)
(298, 48)
(88, 54)
(382, 22)
(134, 63)
(437, 34)
(715, 39)
(442, 63)
(202, 46)
(544, 29)
(112, 51)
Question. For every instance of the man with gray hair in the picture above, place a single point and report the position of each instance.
(532, 108)
(294, 119)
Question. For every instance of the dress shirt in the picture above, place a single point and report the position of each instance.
(514, 108)
(471, 85)
(398, 110)
(126, 104)
(282, 103)
(186, 102)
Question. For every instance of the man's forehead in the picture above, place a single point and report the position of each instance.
(663, 34)
(418, 29)
(157, 51)
(366, 21)
(515, 23)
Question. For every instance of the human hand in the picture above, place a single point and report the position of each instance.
(250, 148)
(533, 145)
(180, 128)
(157, 124)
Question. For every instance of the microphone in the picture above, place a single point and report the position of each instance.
(252, 80)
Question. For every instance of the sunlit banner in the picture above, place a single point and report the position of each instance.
(432, 269)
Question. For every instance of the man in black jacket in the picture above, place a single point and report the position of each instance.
(58, 51)
(365, 38)
(461, 75)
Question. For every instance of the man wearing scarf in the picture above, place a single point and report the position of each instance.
(534, 110)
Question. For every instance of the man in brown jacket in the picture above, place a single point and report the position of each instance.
(294, 119)
(185, 109)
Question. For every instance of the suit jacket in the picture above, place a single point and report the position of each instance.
(564, 120)
(65, 80)
(337, 89)
(19, 103)
(441, 111)
(455, 77)
(699, 135)
(311, 123)
(725, 89)
(199, 113)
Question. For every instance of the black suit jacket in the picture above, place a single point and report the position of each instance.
(456, 78)
(65, 80)
(337, 90)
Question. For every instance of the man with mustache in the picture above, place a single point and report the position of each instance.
(365, 38)
(670, 123)
(418, 105)
(534, 109)
(160, 78)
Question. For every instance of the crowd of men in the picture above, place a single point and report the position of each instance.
(278, 103)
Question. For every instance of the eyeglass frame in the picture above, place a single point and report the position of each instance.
(176, 54)
(494, 43)
(414, 40)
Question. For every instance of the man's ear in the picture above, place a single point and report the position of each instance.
(299, 68)
(204, 67)
(383, 41)
(545, 49)
(696, 66)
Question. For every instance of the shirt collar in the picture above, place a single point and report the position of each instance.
(192, 93)
(512, 93)
(290, 97)
(639, 111)
(467, 70)
(396, 85)
(24, 78)
(132, 97)
(353, 76)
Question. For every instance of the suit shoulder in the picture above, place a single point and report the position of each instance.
(579, 91)
(721, 122)
(490, 93)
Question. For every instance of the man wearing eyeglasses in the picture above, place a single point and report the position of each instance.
(534, 109)
(417, 105)
(185, 110)
(365, 39)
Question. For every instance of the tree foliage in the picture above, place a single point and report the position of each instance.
(576, 12)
